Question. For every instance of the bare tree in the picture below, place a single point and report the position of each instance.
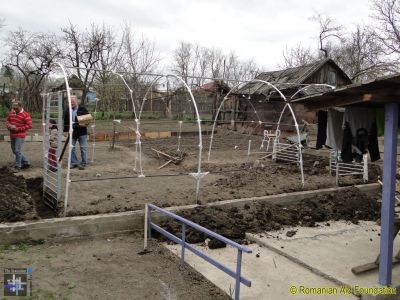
(216, 66)
(361, 55)
(110, 55)
(32, 56)
(140, 55)
(83, 51)
(195, 63)
(248, 70)
(232, 66)
(108, 87)
(202, 55)
(297, 56)
(387, 13)
(183, 56)
(328, 30)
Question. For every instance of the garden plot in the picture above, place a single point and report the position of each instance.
(110, 184)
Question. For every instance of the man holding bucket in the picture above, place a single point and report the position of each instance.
(79, 133)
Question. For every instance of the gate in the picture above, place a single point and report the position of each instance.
(52, 145)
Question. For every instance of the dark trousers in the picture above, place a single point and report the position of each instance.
(322, 124)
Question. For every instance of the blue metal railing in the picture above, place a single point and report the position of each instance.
(235, 274)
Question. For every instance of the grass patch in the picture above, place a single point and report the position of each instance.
(17, 247)
(21, 246)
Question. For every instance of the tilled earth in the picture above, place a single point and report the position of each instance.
(20, 198)
(16, 204)
(349, 204)
(110, 185)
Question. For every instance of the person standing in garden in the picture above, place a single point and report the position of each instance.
(18, 123)
(79, 133)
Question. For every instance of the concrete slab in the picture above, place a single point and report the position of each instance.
(272, 275)
(331, 251)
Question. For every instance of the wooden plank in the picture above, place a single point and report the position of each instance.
(164, 134)
(165, 154)
(364, 268)
(163, 165)
(369, 267)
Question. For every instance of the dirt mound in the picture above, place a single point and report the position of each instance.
(374, 172)
(349, 204)
(16, 204)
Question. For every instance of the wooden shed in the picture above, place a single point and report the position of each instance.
(292, 84)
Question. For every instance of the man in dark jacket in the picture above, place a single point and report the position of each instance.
(79, 132)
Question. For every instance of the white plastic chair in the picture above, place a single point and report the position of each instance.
(268, 136)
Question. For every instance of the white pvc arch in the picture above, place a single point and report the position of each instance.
(312, 84)
(219, 110)
(287, 105)
(93, 126)
(95, 110)
(226, 97)
(68, 176)
(137, 123)
(70, 131)
(199, 175)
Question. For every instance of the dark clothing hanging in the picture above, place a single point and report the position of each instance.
(360, 134)
(373, 146)
(322, 124)
(347, 151)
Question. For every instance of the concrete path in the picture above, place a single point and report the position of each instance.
(333, 250)
(320, 257)
(272, 275)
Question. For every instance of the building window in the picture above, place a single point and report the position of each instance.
(332, 78)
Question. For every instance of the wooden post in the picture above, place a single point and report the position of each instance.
(113, 137)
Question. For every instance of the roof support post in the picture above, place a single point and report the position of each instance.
(388, 193)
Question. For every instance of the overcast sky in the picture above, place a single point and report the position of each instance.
(258, 29)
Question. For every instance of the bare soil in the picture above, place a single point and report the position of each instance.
(111, 268)
(20, 198)
(107, 268)
(257, 217)
(110, 184)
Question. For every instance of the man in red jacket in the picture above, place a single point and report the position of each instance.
(18, 123)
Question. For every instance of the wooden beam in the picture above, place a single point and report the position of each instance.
(334, 100)
(331, 100)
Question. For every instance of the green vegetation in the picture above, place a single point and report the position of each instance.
(36, 115)
(19, 247)
(147, 115)
(3, 111)
(110, 115)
